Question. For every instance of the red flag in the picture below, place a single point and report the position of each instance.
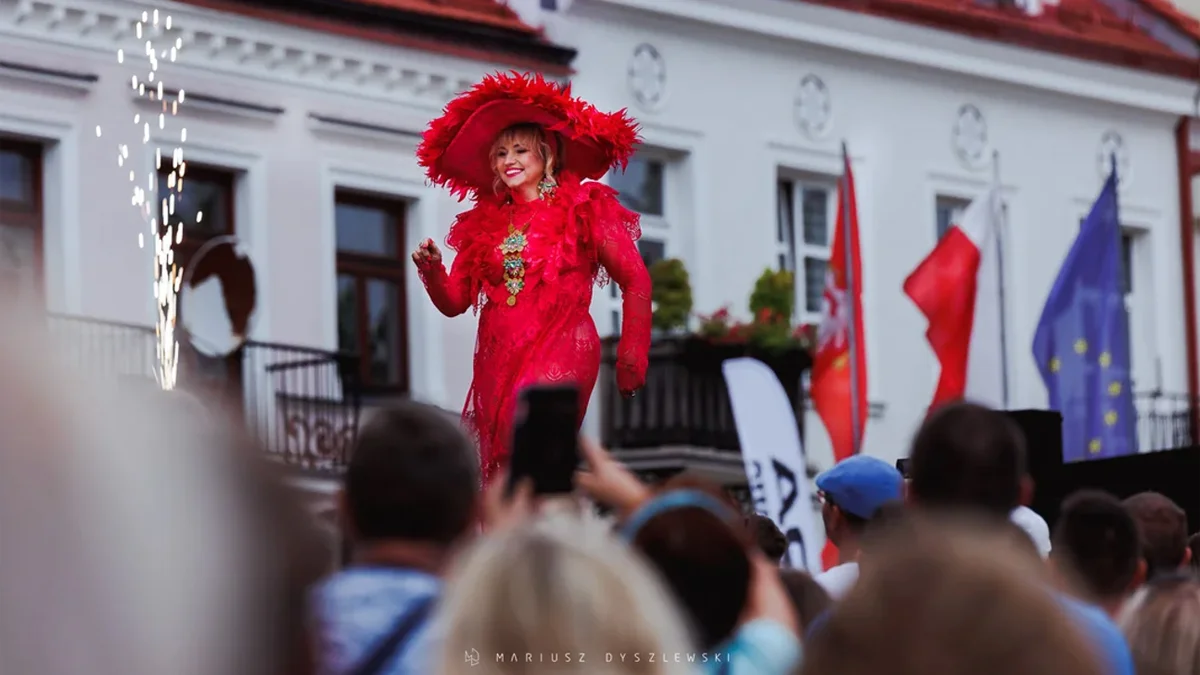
(956, 288)
(830, 555)
(831, 391)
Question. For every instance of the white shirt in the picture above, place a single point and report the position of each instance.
(837, 581)
(1035, 526)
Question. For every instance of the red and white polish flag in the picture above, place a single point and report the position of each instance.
(957, 288)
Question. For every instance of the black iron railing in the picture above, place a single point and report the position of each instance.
(1164, 421)
(302, 403)
(104, 347)
(685, 401)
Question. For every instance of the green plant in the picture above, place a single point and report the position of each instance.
(671, 294)
(774, 293)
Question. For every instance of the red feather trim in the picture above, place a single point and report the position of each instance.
(615, 134)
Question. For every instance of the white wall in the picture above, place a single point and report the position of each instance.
(729, 105)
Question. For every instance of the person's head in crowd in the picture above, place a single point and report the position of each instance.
(701, 549)
(1096, 550)
(851, 492)
(1163, 527)
(948, 597)
(140, 537)
(769, 537)
(412, 486)
(685, 481)
(1194, 550)
(808, 597)
(1161, 621)
(558, 587)
(966, 456)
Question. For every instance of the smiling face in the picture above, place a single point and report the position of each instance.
(519, 159)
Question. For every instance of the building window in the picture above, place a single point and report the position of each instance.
(21, 215)
(949, 212)
(642, 187)
(202, 204)
(370, 288)
(806, 215)
(1139, 299)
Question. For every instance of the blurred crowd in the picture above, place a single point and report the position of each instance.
(143, 534)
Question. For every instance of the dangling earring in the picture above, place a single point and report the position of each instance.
(546, 187)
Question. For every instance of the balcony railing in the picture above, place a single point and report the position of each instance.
(1164, 421)
(302, 404)
(685, 401)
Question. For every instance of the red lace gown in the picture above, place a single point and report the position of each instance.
(574, 239)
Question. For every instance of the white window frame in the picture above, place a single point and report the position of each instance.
(795, 251)
(657, 227)
(957, 205)
(1141, 310)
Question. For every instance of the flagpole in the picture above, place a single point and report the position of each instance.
(1000, 273)
(851, 297)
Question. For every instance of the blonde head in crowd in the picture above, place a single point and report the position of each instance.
(1162, 623)
(952, 598)
(135, 541)
(555, 588)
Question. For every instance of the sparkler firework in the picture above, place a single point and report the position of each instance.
(158, 210)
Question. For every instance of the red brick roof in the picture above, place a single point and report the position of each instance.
(486, 30)
(1086, 29)
(489, 12)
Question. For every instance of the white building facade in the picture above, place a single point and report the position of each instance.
(302, 136)
(745, 104)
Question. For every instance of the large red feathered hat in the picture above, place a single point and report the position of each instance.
(454, 149)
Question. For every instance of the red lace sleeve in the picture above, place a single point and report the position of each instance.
(477, 260)
(615, 230)
(451, 293)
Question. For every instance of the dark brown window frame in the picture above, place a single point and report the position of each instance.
(364, 267)
(189, 246)
(227, 178)
(31, 216)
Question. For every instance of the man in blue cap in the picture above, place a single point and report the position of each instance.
(851, 492)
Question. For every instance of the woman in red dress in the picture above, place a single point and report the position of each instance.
(538, 238)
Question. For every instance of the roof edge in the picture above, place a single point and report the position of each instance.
(459, 37)
(829, 24)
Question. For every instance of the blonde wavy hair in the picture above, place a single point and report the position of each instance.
(1162, 623)
(532, 136)
(542, 597)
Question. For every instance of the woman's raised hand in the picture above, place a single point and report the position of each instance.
(427, 254)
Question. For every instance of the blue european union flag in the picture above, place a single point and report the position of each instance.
(1081, 345)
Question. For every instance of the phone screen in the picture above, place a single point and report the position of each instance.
(546, 439)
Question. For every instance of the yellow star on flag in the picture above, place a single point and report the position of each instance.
(1094, 446)
(1105, 360)
(1110, 417)
(1055, 365)
(1114, 389)
(1081, 346)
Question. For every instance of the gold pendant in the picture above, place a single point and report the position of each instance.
(512, 300)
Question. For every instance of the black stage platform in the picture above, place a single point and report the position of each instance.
(1174, 473)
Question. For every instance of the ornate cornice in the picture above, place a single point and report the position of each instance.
(248, 48)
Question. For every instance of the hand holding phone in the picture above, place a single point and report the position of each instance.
(545, 446)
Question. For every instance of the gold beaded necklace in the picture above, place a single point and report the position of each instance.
(513, 248)
(514, 262)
